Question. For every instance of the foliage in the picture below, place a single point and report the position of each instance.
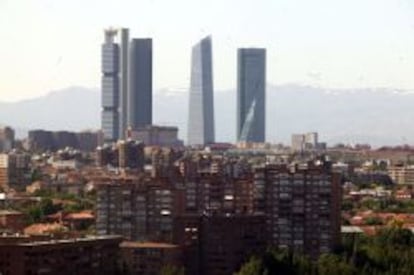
(347, 205)
(70, 203)
(391, 251)
(35, 175)
(379, 205)
(36, 213)
(373, 221)
(252, 267)
(75, 203)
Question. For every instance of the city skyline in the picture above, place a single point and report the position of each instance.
(276, 173)
(329, 51)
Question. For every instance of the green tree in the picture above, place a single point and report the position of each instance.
(333, 264)
(36, 213)
(373, 221)
(253, 267)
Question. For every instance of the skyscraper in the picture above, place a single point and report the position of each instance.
(140, 83)
(123, 83)
(126, 84)
(251, 81)
(201, 107)
(110, 87)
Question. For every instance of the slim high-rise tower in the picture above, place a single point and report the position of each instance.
(251, 86)
(201, 100)
(123, 80)
(140, 83)
(110, 87)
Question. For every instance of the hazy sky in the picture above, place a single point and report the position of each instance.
(49, 44)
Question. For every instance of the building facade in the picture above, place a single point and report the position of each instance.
(41, 140)
(125, 154)
(6, 139)
(126, 84)
(251, 89)
(302, 204)
(148, 258)
(153, 135)
(140, 83)
(12, 221)
(298, 142)
(14, 169)
(110, 87)
(403, 174)
(201, 99)
(306, 142)
(123, 80)
(130, 154)
(222, 209)
(94, 255)
(137, 211)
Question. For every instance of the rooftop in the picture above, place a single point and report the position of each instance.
(71, 240)
(42, 228)
(9, 212)
(351, 229)
(25, 240)
(84, 215)
(147, 245)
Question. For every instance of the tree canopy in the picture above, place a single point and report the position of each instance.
(391, 251)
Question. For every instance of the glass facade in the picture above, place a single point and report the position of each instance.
(126, 84)
(110, 88)
(140, 83)
(201, 100)
(251, 88)
(123, 80)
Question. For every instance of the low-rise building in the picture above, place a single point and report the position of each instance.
(403, 174)
(308, 141)
(88, 255)
(126, 154)
(153, 135)
(42, 140)
(11, 221)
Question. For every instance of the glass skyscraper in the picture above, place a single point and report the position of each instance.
(251, 88)
(126, 84)
(140, 83)
(110, 87)
(123, 80)
(201, 100)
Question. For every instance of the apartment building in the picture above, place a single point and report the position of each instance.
(14, 169)
(302, 206)
(88, 255)
(403, 174)
(136, 210)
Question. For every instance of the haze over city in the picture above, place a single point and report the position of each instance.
(348, 44)
(207, 137)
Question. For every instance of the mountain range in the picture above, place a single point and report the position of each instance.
(375, 116)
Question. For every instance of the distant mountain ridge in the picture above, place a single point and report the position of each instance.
(376, 116)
